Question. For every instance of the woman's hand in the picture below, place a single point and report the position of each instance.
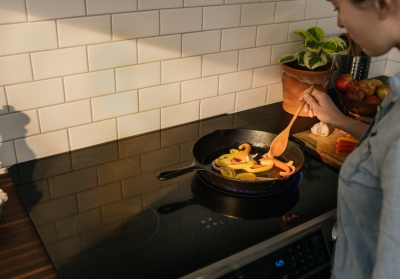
(319, 104)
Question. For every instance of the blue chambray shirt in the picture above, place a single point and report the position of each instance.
(368, 244)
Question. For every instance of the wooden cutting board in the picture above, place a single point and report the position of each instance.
(324, 147)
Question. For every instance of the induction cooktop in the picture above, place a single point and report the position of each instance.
(101, 212)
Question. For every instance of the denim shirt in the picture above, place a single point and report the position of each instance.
(368, 243)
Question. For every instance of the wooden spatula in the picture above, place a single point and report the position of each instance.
(279, 144)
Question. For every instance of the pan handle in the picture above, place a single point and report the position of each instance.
(169, 174)
(168, 208)
(300, 143)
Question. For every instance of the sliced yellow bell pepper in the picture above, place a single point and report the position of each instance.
(224, 159)
(227, 172)
(246, 176)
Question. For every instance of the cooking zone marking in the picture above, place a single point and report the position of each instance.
(116, 225)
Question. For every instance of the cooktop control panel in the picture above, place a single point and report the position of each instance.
(305, 258)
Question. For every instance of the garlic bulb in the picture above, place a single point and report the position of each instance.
(320, 129)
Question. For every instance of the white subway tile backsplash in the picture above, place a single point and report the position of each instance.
(240, 1)
(64, 116)
(139, 76)
(329, 26)
(42, 145)
(138, 123)
(238, 38)
(135, 25)
(15, 69)
(376, 69)
(112, 55)
(267, 76)
(4, 109)
(287, 11)
(35, 94)
(61, 62)
(194, 3)
(319, 9)
(258, 13)
(159, 96)
(115, 105)
(179, 114)
(23, 124)
(180, 69)
(53, 9)
(27, 37)
(7, 154)
(278, 50)
(95, 7)
(251, 98)
(12, 11)
(93, 133)
(391, 68)
(234, 82)
(159, 4)
(254, 57)
(217, 106)
(159, 48)
(82, 72)
(275, 93)
(89, 85)
(394, 55)
(201, 43)
(84, 30)
(383, 57)
(199, 89)
(272, 34)
(181, 20)
(221, 17)
(299, 25)
(220, 63)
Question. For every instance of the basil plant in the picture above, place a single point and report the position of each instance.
(314, 50)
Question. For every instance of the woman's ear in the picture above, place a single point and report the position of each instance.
(384, 7)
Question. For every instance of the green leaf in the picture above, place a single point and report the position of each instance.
(316, 33)
(331, 46)
(334, 46)
(312, 60)
(312, 44)
(286, 57)
(300, 58)
(341, 42)
(301, 33)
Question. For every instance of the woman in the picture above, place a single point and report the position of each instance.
(368, 244)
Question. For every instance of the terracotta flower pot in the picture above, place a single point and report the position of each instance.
(295, 81)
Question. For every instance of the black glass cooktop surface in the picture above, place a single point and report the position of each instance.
(101, 212)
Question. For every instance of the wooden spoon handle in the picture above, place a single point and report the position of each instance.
(309, 91)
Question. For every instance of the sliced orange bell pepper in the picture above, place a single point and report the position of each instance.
(277, 163)
(347, 139)
(244, 151)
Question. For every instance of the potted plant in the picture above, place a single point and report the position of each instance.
(313, 64)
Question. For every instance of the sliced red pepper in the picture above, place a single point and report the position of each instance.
(346, 144)
(346, 149)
